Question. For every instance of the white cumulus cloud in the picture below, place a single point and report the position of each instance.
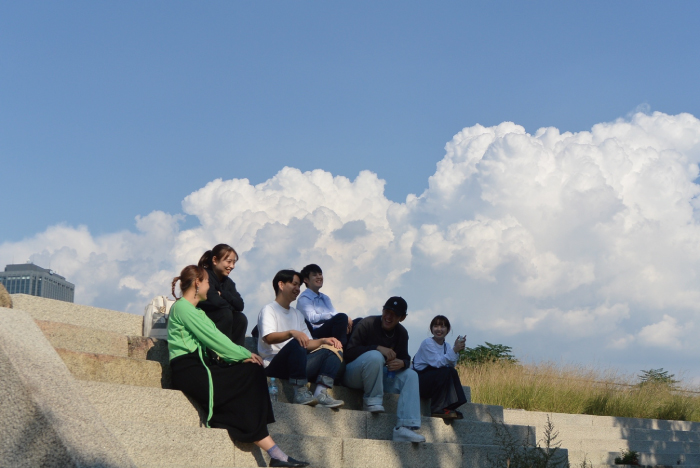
(575, 245)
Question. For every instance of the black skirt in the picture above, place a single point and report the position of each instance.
(442, 386)
(241, 399)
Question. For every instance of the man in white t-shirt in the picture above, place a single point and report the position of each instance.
(288, 350)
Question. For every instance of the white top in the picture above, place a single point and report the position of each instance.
(432, 354)
(315, 307)
(274, 318)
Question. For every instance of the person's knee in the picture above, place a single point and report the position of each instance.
(341, 318)
(295, 349)
(373, 360)
(411, 376)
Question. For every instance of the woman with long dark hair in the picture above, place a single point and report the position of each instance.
(224, 305)
(233, 388)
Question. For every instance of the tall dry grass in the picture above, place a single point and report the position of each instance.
(576, 390)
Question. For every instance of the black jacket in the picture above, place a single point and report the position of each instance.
(369, 334)
(225, 308)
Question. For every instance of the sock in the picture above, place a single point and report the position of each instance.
(319, 388)
(276, 452)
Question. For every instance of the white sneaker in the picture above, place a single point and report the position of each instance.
(373, 408)
(326, 401)
(404, 434)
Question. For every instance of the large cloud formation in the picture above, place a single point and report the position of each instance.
(576, 246)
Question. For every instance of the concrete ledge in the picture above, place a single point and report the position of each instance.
(561, 419)
(45, 419)
(52, 310)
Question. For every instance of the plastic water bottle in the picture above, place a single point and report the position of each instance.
(272, 388)
(391, 374)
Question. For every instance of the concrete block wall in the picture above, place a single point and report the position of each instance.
(600, 439)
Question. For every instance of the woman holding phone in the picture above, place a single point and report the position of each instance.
(437, 377)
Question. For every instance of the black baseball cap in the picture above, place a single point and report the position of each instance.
(396, 304)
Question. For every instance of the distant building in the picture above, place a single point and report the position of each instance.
(27, 278)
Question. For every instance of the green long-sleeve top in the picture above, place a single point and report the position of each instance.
(190, 328)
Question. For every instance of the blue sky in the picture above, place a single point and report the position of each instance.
(323, 120)
(113, 109)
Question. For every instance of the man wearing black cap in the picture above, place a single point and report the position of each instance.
(378, 361)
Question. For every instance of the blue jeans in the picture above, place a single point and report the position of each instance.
(298, 365)
(369, 373)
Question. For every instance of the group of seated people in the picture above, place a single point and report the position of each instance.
(312, 342)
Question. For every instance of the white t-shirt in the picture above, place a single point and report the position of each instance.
(274, 318)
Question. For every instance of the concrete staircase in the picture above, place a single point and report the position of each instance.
(600, 439)
(125, 377)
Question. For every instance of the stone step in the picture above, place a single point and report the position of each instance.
(142, 404)
(353, 400)
(89, 340)
(160, 445)
(146, 373)
(612, 445)
(115, 369)
(40, 308)
(645, 458)
(99, 342)
(580, 433)
(539, 418)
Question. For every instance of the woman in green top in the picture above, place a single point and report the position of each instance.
(233, 386)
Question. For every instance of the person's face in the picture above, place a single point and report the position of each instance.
(203, 285)
(315, 281)
(390, 319)
(222, 267)
(290, 291)
(440, 330)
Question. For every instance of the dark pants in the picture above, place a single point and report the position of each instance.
(442, 386)
(296, 364)
(334, 327)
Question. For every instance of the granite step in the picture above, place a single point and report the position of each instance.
(645, 458)
(156, 444)
(539, 418)
(142, 404)
(40, 308)
(155, 373)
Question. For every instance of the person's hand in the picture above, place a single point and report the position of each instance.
(459, 344)
(349, 325)
(333, 342)
(300, 337)
(255, 359)
(389, 354)
(395, 364)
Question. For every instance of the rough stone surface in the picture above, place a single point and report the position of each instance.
(5, 298)
(45, 418)
(151, 349)
(118, 402)
(115, 369)
(75, 314)
(90, 340)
